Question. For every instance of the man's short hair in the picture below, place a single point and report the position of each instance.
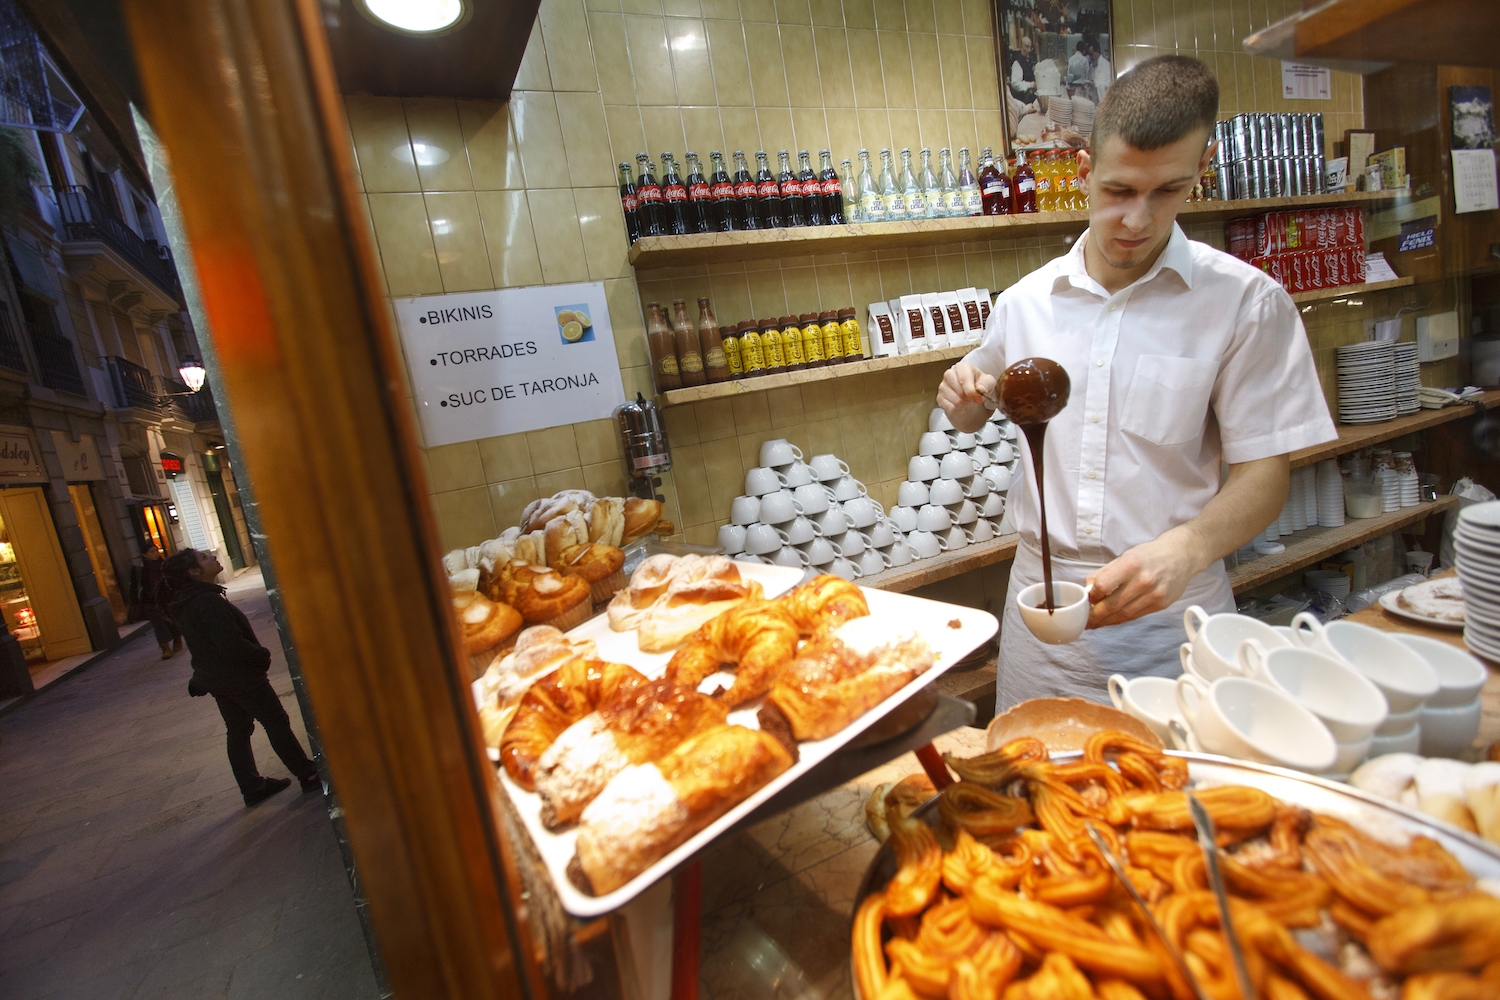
(1157, 103)
(1082, 46)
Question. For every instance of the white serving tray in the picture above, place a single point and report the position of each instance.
(931, 619)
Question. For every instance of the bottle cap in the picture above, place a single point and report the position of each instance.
(745, 324)
(785, 321)
(769, 322)
(703, 301)
(827, 315)
(806, 318)
(846, 313)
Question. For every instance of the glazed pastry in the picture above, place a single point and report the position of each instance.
(669, 597)
(640, 518)
(835, 680)
(455, 562)
(464, 581)
(1387, 776)
(636, 725)
(1440, 791)
(607, 521)
(554, 703)
(1482, 793)
(483, 623)
(824, 603)
(537, 513)
(538, 651)
(757, 638)
(600, 564)
(648, 809)
(546, 597)
(564, 532)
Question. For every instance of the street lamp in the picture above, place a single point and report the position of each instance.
(192, 373)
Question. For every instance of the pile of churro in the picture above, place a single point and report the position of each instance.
(1010, 898)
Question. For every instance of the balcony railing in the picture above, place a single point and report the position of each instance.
(135, 386)
(85, 217)
(10, 348)
(58, 364)
(194, 407)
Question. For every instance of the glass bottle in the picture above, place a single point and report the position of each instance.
(911, 193)
(1024, 185)
(812, 191)
(689, 351)
(745, 201)
(721, 188)
(700, 198)
(791, 343)
(890, 194)
(994, 185)
(752, 351)
(854, 349)
(833, 189)
(715, 363)
(871, 205)
(1076, 201)
(967, 185)
(932, 194)
(952, 197)
(793, 207)
(673, 200)
(770, 345)
(663, 349)
(730, 339)
(850, 191)
(648, 196)
(812, 340)
(768, 204)
(833, 337)
(1045, 164)
(630, 204)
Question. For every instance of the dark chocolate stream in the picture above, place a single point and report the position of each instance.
(1033, 391)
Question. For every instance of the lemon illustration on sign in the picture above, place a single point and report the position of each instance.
(572, 331)
(583, 318)
(566, 316)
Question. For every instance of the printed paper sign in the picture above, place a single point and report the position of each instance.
(1474, 188)
(1301, 82)
(509, 360)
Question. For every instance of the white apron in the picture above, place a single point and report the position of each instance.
(1029, 668)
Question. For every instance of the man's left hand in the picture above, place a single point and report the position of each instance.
(1146, 579)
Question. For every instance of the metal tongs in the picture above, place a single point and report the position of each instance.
(1119, 869)
(1209, 842)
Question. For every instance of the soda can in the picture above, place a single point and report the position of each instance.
(1314, 271)
(1357, 225)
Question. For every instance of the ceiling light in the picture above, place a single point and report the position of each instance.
(416, 17)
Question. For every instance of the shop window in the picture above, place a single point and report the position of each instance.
(93, 539)
(15, 603)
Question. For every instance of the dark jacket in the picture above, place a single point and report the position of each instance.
(147, 580)
(227, 657)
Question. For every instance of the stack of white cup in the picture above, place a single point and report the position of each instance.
(955, 488)
(811, 514)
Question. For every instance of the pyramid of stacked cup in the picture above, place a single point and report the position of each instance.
(955, 488)
(810, 515)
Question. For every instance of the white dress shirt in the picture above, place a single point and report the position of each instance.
(1204, 358)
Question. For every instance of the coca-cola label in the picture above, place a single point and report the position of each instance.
(722, 191)
(769, 189)
(831, 187)
(648, 192)
(744, 189)
(674, 192)
(630, 202)
(791, 188)
(698, 192)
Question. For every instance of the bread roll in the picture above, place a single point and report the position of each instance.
(640, 517)
(1482, 795)
(1440, 791)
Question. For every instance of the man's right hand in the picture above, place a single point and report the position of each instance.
(962, 396)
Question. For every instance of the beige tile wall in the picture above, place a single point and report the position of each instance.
(468, 195)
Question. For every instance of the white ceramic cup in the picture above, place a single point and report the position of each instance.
(988, 435)
(1008, 430)
(847, 488)
(934, 443)
(938, 420)
(815, 498)
(1460, 675)
(910, 494)
(862, 511)
(851, 543)
(982, 456)
(830, 522)
(744, 510)
(779, 451)
(899, 552)
(1185, 656)
(762, 480)
(977, 488)
(964, 513)
(955, 537)
(1153, 700)
(934, 518)
(1348, 756)
(945, 491)
(956, 465)
(842, 567)
(1405, 678)
(1216, 639)
(828, 466)
(821, 552)
(882, 535)
(993, 505)
(1003, 452)
(791, 557)
(904, 518)
(1238, 717)
(779, 507)
(798, 474)
(1407, 742)
(763, 539)
(924, 544)
(872, 561)
(799, 530)
(732, 539)
(1448, 732)
(1348, 704)
(1397, 723)
(923, 468)
(1067, 619)
(999, 478)
(963, 441)
(980, 531)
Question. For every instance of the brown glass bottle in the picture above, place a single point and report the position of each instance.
(833, 337)
(770, 343)
(812, 340)
(791, 344)
(854, 349)
(715, 364)
(689, 353)
(663, 349)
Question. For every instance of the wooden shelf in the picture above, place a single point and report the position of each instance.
(700, 248)
(762, 383)
(944, 565)
(1312, 544)
(1352, 437)
(1343, 291)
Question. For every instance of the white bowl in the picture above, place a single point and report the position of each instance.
(1448, 732)
(1065, 622)
(1349, 756)
(1238, 717)
(1460, 676)
(1348, 704)
(1407, 742)
(1399, 722)
(1403, 677)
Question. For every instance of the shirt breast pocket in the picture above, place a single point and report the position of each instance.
(1168, 401)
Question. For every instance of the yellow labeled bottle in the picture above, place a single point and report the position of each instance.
(812, 340)
(729, 339)
(833, 337)
(791, 343)
(770, 343)
(853, 347)
(752, 351)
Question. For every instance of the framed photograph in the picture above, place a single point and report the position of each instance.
(1473, 111)
(1056, 61)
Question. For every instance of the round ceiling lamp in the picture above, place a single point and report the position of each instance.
(417, 17)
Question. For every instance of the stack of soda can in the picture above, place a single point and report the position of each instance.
(1263, 155)
(1304, 249)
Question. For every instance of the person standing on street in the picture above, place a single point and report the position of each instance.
(230, 663)
(148, 583)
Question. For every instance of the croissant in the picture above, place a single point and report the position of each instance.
(648, 809)
(831, 684)
(824, 603)
(552, 705)
(758, 638)
(634, 725)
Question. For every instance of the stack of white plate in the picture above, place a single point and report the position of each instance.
(1408, 379)
(1477, 545)
(1083, 115)
(1367, 382)
(1329, 490)
(1327, 581)
(1060, 110)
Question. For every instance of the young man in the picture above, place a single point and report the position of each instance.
(1181, 357)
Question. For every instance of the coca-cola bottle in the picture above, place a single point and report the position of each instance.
(630, 204)
(673, 199)
(769, 207)
(833, 190)
(812, 191)
(793, 205)
(746, 201)
(648, 196)
(700, 200)
(994, 185)
(722, 189)
(1024, 182)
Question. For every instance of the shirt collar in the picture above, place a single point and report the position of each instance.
(1176, 256)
